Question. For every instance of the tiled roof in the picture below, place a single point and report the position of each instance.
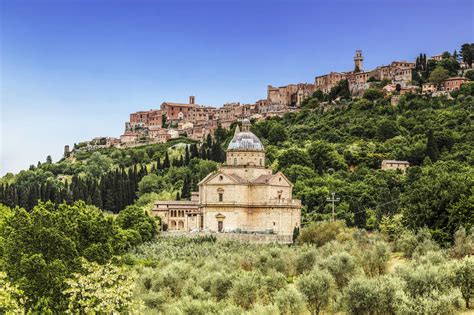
(262, 179)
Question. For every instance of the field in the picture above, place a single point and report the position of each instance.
(352, 272)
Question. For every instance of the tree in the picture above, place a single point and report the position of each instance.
(317, 288)
(464, 278)
(383, 295)
(294, 156)
(277, 133)
(150, 183)
(469, 75)
(244, 290)
(324, 156)
(438, 75)
(41, 247)
(467, 53)
(49, 160)
(107, 289)
(134, 218)
(289, 301)
(387, 129)
(373, 94)
(432, 147)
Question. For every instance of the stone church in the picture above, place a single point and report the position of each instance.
(242, 196)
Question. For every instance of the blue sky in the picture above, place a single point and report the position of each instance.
(72, 70)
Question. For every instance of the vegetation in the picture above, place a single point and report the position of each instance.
(76, 232)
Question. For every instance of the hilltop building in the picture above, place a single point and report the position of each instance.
(242, 196)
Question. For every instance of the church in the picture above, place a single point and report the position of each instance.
(242, 196)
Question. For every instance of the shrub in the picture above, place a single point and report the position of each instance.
(319, 233)
(464, 278)
(244, 290)
(317, 288)
(305, 261)
(463, 242)
(374, 259)
(342, 267)
(290, 301)
(383, 295)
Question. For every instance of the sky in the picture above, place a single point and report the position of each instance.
(73, 70)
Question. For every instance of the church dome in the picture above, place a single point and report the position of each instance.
(245, 141)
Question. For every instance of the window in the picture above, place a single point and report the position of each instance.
(221, 197)
(235, 161)
(221, 177)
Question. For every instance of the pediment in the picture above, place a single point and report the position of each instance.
(219, 178)
(279, 179)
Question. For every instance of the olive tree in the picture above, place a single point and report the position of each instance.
(317, 288)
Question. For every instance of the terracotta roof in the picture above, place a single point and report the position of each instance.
(179, 104)
(455, 78)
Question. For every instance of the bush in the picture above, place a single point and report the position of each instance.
(290, 301)
(383, 295)
(244, 292)
(342, 267)
(375, 258)
(319, 233)
(317, 288)
(464, 278)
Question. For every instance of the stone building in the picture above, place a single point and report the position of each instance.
(398, 72)
(395, 165)
(289, 95)
(242, 196)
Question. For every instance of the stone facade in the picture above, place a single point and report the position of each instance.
(242, 196)
(398, 72)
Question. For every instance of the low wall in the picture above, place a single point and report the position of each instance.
(251, 238)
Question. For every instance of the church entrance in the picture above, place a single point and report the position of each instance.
(220, 222)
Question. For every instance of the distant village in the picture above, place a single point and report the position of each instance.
(195, 121)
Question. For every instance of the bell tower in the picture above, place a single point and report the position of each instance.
(358, 60)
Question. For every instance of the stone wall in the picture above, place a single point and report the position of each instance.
(250, 238)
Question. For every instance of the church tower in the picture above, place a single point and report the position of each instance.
(358, 60)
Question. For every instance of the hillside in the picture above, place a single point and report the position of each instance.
(392, 228)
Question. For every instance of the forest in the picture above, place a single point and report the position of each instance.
(75, 235)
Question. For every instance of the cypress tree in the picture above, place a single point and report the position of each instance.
(97, 198)
(166, 161)
(186, 156)
(432, 147)
(158, 164)
(178, 197)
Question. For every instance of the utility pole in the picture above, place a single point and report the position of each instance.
(333, 200)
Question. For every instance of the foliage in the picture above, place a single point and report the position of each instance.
(41, 248)
(319, 233)
(316, 287)
(99, 289)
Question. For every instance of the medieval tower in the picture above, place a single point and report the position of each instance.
(358, 59)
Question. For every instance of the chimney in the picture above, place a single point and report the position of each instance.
(191, 100)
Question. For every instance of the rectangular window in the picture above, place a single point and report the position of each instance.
(221, 197)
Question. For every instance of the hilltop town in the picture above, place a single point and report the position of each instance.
(196, 121)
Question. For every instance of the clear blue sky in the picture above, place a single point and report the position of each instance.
(72, 70)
